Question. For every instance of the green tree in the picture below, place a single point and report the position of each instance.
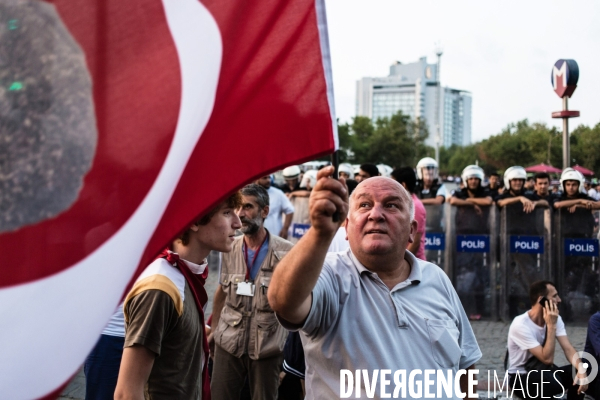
(466, 155)
(345, 141)
(585, 147)
(361, 131)
(524, 144)
(446, 153)
(395, 141)
(400, 141)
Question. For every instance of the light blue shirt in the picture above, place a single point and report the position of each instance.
(356, 322)
(262, 253)
(279, 204)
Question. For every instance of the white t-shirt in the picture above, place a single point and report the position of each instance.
(278, 204)
(116, 325)
(523, 335)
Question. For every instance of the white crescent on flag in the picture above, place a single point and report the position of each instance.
(191, 99)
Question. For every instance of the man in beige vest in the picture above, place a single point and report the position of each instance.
(248, 339)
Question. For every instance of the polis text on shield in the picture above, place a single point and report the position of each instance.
(433, 241)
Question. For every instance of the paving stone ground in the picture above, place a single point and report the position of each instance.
(491, 336)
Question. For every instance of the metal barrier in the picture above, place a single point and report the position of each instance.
(525, 256)
(471, 239)
(577, 275)
(435, 234)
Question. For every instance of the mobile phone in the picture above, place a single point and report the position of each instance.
(543, 301)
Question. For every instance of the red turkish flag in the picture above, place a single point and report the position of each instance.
(146, 115)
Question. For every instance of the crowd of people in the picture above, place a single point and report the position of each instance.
(355, 293)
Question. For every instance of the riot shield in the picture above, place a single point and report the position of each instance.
(471, 239)
(300, 221)
(525, 256)
(577, 263)
(435, 234)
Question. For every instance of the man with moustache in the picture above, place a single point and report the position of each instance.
(248, 339)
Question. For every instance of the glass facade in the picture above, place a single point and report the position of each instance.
(453, 119)
(388, 104)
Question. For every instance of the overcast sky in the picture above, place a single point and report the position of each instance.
(500, 51)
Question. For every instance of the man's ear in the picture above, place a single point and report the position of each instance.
(194, 227)
(413, 231)
(346, 226)
(264, 212)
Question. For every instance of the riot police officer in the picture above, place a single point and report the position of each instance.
(571, 182)
(429, 190)
(514, 192)
(473, 194)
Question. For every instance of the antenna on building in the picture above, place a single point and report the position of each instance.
(438, 140)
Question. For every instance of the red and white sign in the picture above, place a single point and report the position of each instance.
(564, 77)
(192, 99)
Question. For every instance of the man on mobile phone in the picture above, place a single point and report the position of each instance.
(533, 334)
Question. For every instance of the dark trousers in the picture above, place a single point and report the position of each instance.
(229, 374)
(555, 383)
(101, 368)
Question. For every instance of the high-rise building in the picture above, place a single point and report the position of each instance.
(412, 88)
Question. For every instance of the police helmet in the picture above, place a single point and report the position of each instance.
(514, 172)
(427, 162)
(472, 171)
(292, 172)
(346, 168)
(310, 177)
(569, 174)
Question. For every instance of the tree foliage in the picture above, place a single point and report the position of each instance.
(400, 141)
(522, 144)
(395, 141)
(585, 147)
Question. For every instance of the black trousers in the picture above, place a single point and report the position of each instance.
(545, 384)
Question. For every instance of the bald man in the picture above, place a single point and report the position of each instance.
(374, 307)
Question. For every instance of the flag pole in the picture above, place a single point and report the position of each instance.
(335, 161)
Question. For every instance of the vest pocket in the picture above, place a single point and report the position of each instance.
(228, 335)
(443, 336)
(230, 283)
(262, 291)
(270, 335)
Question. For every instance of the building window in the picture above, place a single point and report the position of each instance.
(388, 104)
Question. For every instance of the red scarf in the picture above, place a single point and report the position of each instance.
(196, 284)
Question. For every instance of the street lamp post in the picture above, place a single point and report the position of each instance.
(438, 138)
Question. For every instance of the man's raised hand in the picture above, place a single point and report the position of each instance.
(328, 197)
